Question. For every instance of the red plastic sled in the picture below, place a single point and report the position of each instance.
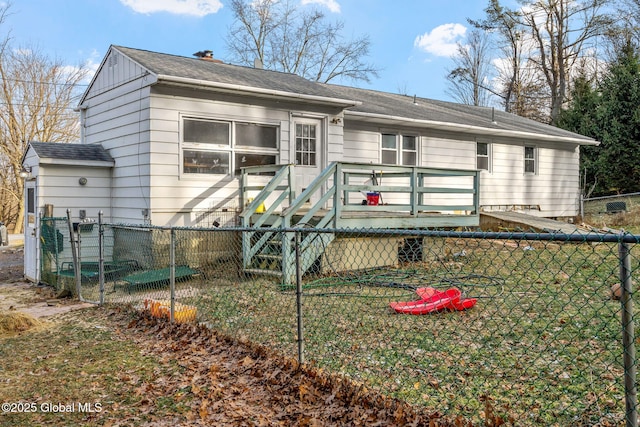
(423, 293)
(435, 302)
(459, 305)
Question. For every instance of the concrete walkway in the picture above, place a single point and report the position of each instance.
(16, 239)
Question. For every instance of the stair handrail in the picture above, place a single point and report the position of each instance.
(281, 172)
(315, 186)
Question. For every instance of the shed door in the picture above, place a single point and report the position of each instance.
(309, 153)
(31, 262)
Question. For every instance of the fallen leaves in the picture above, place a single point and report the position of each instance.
(227, 382)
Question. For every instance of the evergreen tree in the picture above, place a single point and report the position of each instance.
(581, 117)
(618, 119)
(610, 113)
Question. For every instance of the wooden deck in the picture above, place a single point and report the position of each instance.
(387, 219)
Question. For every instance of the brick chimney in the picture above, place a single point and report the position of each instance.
(207, 55)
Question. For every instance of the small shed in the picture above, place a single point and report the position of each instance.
(61, 177)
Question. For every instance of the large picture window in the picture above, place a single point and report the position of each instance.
(220, 148)
(399, 149)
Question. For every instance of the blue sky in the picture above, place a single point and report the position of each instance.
(411, 40)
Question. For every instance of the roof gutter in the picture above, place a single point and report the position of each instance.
(71, 162)
(476, 130)
(265, 93)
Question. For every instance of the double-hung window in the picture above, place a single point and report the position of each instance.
(482, 156)
(220, 148)
(530, 154)
(399, 149)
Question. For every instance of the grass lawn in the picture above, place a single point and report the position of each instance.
(541, 347)
(80, 371)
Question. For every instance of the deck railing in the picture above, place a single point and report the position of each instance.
(406, 197)
(347, 195)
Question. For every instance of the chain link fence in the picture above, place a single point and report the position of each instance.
(607, 205)
(55, 258)
(519, 328)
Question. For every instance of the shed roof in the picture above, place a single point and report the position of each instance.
(359, 104)
(82, 154)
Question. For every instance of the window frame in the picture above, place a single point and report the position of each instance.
(533, 160)
(399, 150)
(232, 150)
(300, 154)
(487, 156)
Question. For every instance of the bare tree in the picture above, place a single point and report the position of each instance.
(562, 31)
(549, 37)
(511, 84)
(298, 41)
(469, 80)
(37, 96)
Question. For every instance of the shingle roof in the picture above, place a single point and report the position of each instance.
(422, 109)
(79, 152)
(364, 101)
(199, 69)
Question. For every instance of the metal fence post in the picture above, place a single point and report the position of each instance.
(628, 336)
(172, 272)
(299, 299)
(101, 256)
(75, 252)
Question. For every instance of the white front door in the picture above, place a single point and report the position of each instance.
(308, 153)
(31, 261)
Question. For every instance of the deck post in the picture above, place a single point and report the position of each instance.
(292, 183)
(338, 183)
(476, 192)
(414, 191)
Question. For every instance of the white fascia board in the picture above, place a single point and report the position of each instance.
(475, 130)
(263, 93)
(69, 162)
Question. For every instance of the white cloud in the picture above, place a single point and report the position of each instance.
(178, 7)
(332, 5)
(441, 41)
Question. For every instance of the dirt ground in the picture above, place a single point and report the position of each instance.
(17, 294)
(232, 383)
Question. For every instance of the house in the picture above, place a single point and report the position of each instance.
(178, 137)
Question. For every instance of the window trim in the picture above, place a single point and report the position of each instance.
(231, 150)
(399, 150)
(317, 139)
(533, 159)
(488, 156)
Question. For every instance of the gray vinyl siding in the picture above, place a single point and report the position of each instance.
(552, 190)
(175, 195)
(118, 119)
(361, 145)
(58, 185)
